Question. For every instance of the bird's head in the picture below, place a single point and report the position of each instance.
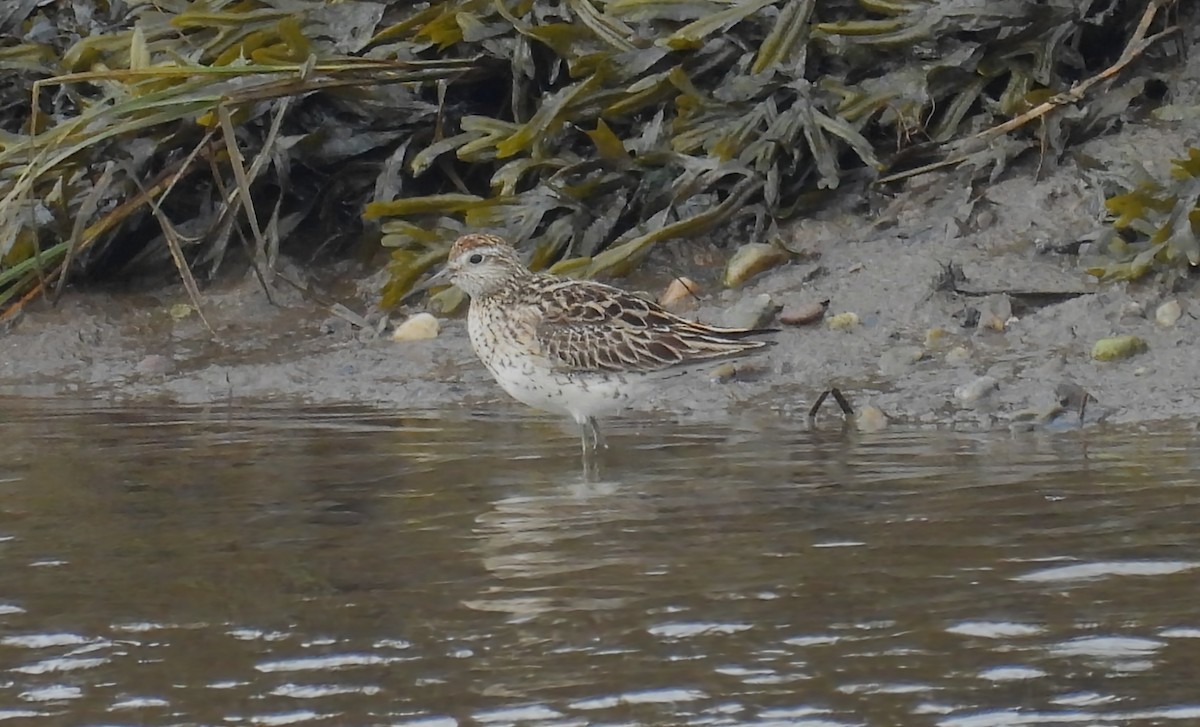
(481, 264)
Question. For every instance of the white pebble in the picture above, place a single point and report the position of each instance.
(417, 328)
(1168, 313)
(977, 389)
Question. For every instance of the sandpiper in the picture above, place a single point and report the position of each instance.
(575, 347)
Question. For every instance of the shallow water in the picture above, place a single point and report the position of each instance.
(168, 566)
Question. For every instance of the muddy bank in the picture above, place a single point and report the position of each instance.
(1020, 273)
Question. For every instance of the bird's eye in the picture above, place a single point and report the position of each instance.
(475, 259)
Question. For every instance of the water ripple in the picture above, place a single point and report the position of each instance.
(280, 565)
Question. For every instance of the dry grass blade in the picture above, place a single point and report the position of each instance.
(243, 182)
(171, 235)
(86, 210)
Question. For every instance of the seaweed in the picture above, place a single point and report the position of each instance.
(620, 124)
(117, 122)
(586, 131)
(1155, 225)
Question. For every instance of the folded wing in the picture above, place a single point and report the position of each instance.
(587, 326)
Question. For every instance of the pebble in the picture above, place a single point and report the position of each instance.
(155, 364)
(995, 312)
(724, 373)
(896, 361)
(957, 355)
(1051, 416)
(1117, 348)
(738, 370)
(680, 294)
(804, 314)
(334, 325)
(977, 389)
(1168, 313)
(871, 419)
(751, 312)
(1071, 395)
(967, 317)
(934, 337)
(1133, 309)
(843, 321)
(416, 328)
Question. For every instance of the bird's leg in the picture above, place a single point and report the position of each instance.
(589, 431)
(597, 438)
(584, 430)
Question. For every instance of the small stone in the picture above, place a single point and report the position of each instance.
(934, 337)
(416, 328)
(977, 389)
(741, 370)
(751, 312)
(1117, 347)
(1070, 395)
(1168, 313)
(843, 321)
(1026, 415)
(1133, 309)
(680, 294)
(957, 355)
(724, 373)
(335, 325)
(1052, 415)
(871, 419)
(154, 364)
(896, 361)
(804, 314)
(967, 317)
(994, 312)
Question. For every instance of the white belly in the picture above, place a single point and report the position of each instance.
(580, 395)
(531, 380)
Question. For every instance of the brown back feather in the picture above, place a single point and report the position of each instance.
(588, 326)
